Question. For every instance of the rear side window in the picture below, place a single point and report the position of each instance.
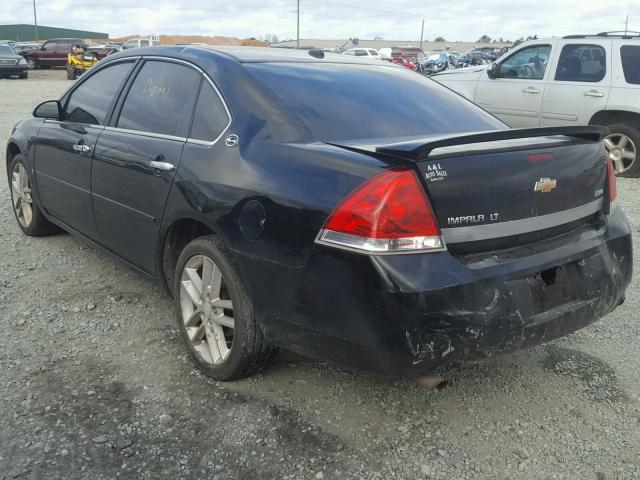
(90, 102)
(161, 99)
(630, 55)
(581, 63)
(210, 118)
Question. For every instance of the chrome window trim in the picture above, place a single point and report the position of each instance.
(142, 133)
(515, 227)
(215, 88)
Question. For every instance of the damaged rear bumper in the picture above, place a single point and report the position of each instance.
(409, 314)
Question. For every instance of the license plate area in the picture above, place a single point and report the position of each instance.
(556, 286)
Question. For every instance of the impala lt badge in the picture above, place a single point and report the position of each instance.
(545, 185)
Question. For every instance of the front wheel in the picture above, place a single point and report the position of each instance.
(32, 63)
(29, 216)
(622, 144)
(71, 72)
(215, 314)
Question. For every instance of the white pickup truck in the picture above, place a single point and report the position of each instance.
(574, 80)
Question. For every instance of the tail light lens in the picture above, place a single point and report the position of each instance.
(611, 179)
(388, 213)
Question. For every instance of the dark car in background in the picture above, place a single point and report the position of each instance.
(11, 63)
(341, 208)
(53, 53)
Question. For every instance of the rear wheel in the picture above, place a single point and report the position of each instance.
(28, 214)
(215, 314)
(71, 72)
(622, 145)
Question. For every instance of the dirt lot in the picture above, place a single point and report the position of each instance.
(95, 384)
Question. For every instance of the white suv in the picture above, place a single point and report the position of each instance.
(363, 52)
(575, 80)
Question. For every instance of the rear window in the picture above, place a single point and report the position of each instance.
(361, 101)
(630, 55)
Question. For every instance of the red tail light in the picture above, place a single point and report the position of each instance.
(611, 179)
(388, 213)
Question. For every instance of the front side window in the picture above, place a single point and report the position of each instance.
(50, 46)
(630, 55)
(144, 43)
(91, 101)
(581, 63)
(210, 118)
(529, 63)
(373, 53)
(161, 99)
(361, 53)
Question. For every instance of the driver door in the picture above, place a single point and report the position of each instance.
(515, 94)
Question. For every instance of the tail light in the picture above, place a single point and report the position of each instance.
(388, 213)
(611, 180)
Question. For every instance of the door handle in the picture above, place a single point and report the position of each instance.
(531, 90)
(162, 166)
(81, 148)
(593, 93)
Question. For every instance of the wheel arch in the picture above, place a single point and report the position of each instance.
(177, 235)
(12, 151)
(608, 117)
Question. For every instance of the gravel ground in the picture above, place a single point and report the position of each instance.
(95, 384)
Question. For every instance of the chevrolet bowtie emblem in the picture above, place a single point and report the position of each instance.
(545, 185)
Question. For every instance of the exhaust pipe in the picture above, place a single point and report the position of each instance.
(433, 382)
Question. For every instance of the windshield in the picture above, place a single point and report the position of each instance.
(361, 101)
(434, 56)
(6, 50)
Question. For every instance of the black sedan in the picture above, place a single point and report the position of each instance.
(348, 210)
(11, 63)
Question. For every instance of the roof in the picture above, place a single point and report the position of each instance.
(249, 54)
(265, 54)
(362, 43)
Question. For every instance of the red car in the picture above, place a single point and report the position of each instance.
(53, 53)
(404, 62)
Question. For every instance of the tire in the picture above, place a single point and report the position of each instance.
(623, 165)
(34, 223)
(246, 352)
(24, 76)
(32, 63)
(71, 72)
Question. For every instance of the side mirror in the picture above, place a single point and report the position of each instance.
(492, 71)
(49, 109)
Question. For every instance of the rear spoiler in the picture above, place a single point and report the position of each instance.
(419, 149)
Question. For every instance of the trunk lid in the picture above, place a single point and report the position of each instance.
(498, 189)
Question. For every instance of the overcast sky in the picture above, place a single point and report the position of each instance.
(462, 20)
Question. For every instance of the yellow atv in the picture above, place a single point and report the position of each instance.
(79, 61)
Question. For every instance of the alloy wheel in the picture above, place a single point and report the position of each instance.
(207, 309)
(622, 151)
(21, 195)
(31, 63)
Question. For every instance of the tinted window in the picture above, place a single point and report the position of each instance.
(581, 63)
(361, 53)
(144, 43)
(365, 101)
(90, 102)
(529, 63)
(161, 99)
(630, 55)
(51, 45)
(210, 117)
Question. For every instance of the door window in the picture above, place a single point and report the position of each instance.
(161, 99)
(630, 55)
(91, 101)
(581, 63)
(144, 43)
(361, 53)
(210, 118)
(373, 53)
(50, 46)
(529, 63)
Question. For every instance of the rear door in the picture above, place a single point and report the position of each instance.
(137, 156)
(64, 149)
(580, 83)
(515, 95)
